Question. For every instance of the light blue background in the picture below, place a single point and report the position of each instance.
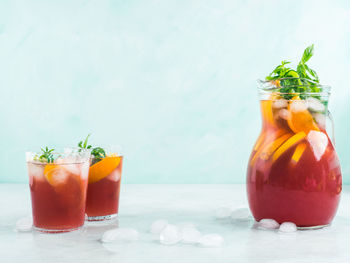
(174, 82)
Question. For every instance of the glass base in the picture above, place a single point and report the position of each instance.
(55, 231)
(312, 227)
(101, 218)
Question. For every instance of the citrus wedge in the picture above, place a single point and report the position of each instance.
(103, 168)
(300, 119)
(55, 174)
(259, 141)
(287, 144)
(271, 147)
(266, 110)
(267, 142)
(299, 150)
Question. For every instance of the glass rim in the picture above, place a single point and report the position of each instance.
(267, 86)
(60, 153)
(112, 149)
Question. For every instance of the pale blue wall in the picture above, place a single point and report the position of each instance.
(173, 81)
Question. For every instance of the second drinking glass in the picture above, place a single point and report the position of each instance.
(105, 173)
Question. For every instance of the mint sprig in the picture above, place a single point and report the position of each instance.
(97, 152)
(302, 80)
(46, 155)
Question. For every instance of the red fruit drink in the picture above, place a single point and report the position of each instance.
(293, 172)
(102, 201)
(58, 193)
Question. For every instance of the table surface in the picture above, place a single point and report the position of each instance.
(142, 204)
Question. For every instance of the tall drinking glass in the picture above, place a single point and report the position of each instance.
(105, 173)
(58, 189)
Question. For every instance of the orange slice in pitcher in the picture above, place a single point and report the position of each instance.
(103, 168)
(288, 144)
(271, 147)
(266, 110)
(55, 174)
(299, 150)
(300, 118)
(269, 142)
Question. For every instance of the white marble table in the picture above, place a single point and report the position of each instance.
(142, 204)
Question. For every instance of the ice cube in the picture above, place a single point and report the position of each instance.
(72, 168)
(319, 142)
(59, 176)
(298, 105)
(115, 175)
(158, 225)
(320, 119)
(288, 227)
(241, 214)
(211, 240)
(278, 104)
(268, 224)
(24, 224)
(315, 105)
(170, 235)
(120, 235)
(36, 170)
(284, 114)
(190, 235)
(223, 212)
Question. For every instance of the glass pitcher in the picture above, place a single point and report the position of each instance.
(293, 172)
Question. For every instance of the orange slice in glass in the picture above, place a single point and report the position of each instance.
(300, 118)
(296, 138)
(299, 150)
(55, 174)
(103, 168)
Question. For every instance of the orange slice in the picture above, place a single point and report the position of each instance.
(287, 144)
(299, 150)
(271, 147)
(300, 118)
(55, 174)
(268, 140)
(259, 141)
(103, 168)
(266, 110)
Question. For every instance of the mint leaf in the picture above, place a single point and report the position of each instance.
(308, 53)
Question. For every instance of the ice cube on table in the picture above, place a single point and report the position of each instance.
(241, 214)
(120, 235)
(223, 212)
(267, 223)
(281, 103)
(315, 105)
(190, 235)
(211, 240)
(319, 142)
(158, 225)
(288, 227)
(24, 224)
(170, 235)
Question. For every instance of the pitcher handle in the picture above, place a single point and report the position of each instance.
(330, 118)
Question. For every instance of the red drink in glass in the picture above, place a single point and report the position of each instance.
(58, 192)
(102, 201)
